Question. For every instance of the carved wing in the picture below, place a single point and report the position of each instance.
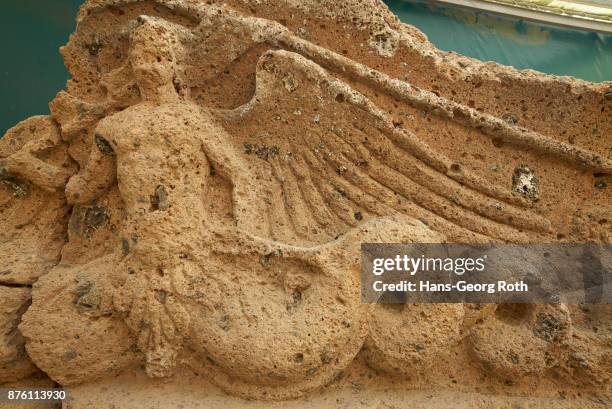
(332, 159)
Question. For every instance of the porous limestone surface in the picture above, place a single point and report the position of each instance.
(14, 362)
(192, 210)
(190, 390)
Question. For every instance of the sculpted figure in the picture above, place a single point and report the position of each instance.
(179, 277)
(218, 197)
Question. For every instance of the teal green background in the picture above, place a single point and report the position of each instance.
(32, 70)
(519, 43)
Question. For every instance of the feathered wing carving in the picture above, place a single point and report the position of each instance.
(345, 162)
(306, 161)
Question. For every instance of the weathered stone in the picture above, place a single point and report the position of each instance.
(220, 165)
(14, 363)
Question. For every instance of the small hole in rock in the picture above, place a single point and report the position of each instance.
(513, 314)
(498, 142)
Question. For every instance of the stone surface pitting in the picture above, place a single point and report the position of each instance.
(197, 198)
